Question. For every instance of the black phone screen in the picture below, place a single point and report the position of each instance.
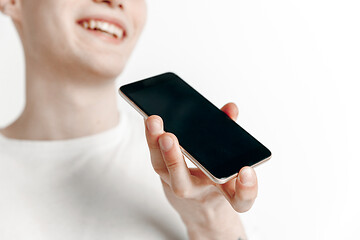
(217, 142)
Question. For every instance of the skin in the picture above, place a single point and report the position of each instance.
(70, 93)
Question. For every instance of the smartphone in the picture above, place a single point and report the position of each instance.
(207, 136)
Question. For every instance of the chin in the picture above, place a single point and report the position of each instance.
(106, 69)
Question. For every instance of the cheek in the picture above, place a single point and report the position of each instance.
(139, 14)
(47, 30)
(38, 28)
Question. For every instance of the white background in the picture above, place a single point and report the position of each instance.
(293, 69)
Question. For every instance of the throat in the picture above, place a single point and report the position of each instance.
(59, 112)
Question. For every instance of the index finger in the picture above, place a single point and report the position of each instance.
(154, 129)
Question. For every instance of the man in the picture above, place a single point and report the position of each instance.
(72, 165)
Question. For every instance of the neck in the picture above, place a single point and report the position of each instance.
(60, 106)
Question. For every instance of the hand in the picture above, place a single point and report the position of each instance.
(202, 204)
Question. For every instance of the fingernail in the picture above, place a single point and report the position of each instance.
(247, 176)
(154, 126)
(166, 143)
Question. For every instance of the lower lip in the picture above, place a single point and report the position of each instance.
(104, 36)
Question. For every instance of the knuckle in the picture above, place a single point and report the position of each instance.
(242, 207)
(249, 196)
(152, 141)
(172, 166)
(160, 171)
(172, 136)
(153, 145)
(182, 192)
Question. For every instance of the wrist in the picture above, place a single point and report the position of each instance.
(221, 223)
(231, 229)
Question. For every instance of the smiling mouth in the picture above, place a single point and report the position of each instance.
(103, 27)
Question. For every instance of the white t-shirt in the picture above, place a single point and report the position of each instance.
(97, 187)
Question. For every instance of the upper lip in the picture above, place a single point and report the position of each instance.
(112, 20)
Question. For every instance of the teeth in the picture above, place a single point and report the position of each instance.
(111, 28)
(92, 24)
(85, 24)
(119, 32)
(99, 25)
(104, 27)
